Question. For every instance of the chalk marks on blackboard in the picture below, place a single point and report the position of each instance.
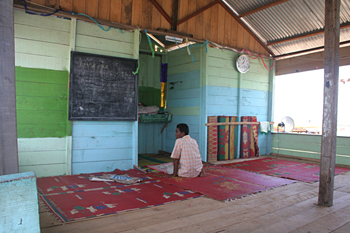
(102, 88)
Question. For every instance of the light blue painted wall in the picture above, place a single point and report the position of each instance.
(222, 91)
(102, 146)
(19, 211)
(150, 140)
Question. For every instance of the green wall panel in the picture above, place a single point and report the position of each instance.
(42, 103)
(149, 96)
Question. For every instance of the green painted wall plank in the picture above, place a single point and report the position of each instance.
(41, 34)
(41, 157)
(252, 85)
(52, 23)
(223, 73)
(103, 52)
(93, 30)
(41, 89)
(45, 170)
(41, 131)
(149, 73)
(40, 103)
(41, 117)
(149, 96)
(41, 75)
(41, 48)
(185, 111)
(183, 68)
(222, 82)
(103, 44)
(43, 62)
(41, 144)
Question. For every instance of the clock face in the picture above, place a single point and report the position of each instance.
(243, 63)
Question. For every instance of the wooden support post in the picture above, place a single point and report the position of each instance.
(8, 121)
(175, 12)
(331, 80)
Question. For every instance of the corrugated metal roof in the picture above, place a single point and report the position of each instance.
(289, 19)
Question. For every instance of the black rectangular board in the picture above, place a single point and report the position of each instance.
(102, 88)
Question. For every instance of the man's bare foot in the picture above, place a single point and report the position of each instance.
(202, 173)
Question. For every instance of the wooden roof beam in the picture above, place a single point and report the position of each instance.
(245, 26)
(321, 31)
(198, 12)
(162, 11)
(262, 8)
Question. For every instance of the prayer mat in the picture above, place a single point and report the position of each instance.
(212, 140)
(227, 138)
(216, 187)
(248, 177)
(306, 172)
(249, 138)
(152, 159)
(261, 164)
(77, 183)
(87, 204)
(296, 170)
(164, 167)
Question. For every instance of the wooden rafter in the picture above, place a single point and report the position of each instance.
(345, 25)
(198, 12)
(162, 11)
(244, 26)
(262, 8)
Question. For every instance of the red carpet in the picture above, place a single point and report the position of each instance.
(296, 170)
(75, 197)
(224, 183)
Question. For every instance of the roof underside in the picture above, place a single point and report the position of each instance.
(290, 19)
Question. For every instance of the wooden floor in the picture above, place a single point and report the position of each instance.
(291, 208)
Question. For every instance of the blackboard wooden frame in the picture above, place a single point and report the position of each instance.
(102, 88)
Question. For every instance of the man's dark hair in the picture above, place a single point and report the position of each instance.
(183, 128)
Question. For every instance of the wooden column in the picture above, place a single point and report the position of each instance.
(8, 122)
(330, 103)
(175, 12)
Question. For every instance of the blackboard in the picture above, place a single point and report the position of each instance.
(102, 88)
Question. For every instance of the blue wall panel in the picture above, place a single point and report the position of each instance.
(224, 101)
(102, 146)
(150, 138)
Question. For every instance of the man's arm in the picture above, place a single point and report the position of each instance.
(176, 167)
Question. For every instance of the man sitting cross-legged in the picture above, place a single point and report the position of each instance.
(187, 159)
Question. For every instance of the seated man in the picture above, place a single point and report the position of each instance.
(187, 160)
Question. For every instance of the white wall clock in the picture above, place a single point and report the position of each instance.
(243, 63)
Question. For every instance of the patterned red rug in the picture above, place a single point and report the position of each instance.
(222, 183)
(75, 197)
(295, 170)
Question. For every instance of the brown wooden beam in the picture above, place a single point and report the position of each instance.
(175, 13)
(330, 103)
(8, 122)
(262, 8)
(245, 26)
(162, 11)
(197, 12)
(321, 31)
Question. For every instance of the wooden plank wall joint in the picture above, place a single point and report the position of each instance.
(197, 12)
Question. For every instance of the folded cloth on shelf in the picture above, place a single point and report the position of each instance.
(264, 127)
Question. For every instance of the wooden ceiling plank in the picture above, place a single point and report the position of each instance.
(262, 8)
(162, 11)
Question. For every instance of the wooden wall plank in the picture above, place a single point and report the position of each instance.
(191, 26)
(183, 12)
(167, 6)
(66, 5)
(221, 25)
(136, 12)
(53, 3)
(214, 17)
(207, 23)
(234, 33)
(115, 11)
(240, 38)
(104, 9)
(79, 6)
(199, 32)
(227, 29)
(156, 18)
(92, 8)
(147, 8)
(126, 11)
